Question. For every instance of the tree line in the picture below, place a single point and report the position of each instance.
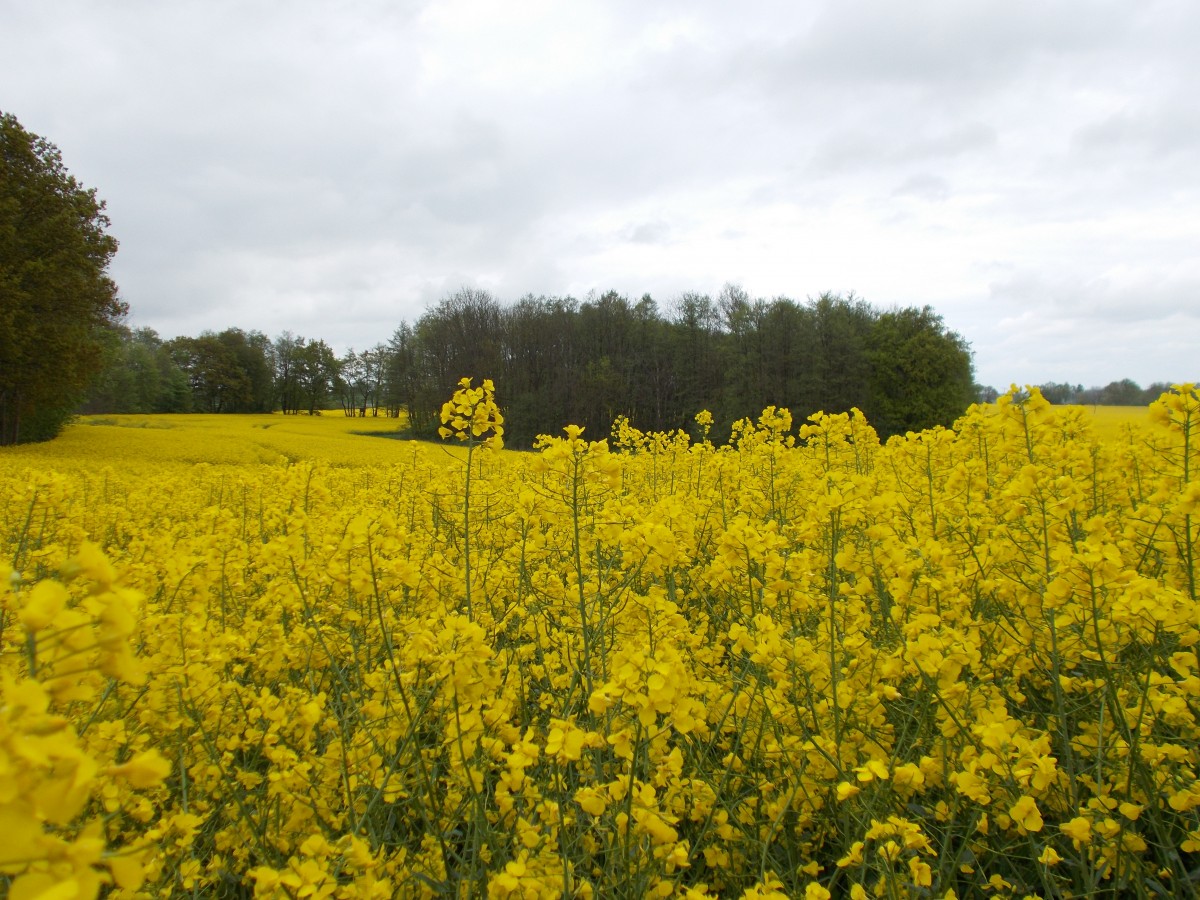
(558, 360)
(233, 371)
(1125, 392)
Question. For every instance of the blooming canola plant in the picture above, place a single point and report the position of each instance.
(255, 655)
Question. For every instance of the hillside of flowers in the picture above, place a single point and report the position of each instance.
(316, 664)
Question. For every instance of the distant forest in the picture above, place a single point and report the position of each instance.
(559, 361)
(1116, 393)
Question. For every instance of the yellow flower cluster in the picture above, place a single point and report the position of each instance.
(65, 649)
(471, 413)
(964, 663)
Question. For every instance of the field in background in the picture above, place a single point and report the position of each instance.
(333, 438)
(1113, 421)
(226, 439)
(260, 655)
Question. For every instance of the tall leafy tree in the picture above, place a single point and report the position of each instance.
(695, 340)
(742, 357)
(1125, 392)
(58, 305)
(218, 381)
(921, 373)
(653, 384)
(540, 374)
(361, 380)
(403, 377)
(353, 384)
(839, 368)
(460, 336)
(286, 353)
(139, 377)
(605, 336)
(252, 352)
(317, 372)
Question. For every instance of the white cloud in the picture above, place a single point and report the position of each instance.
(1027, 168)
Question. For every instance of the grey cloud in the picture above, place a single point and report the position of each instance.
(924, 186)
(656, 232)
(1026, 350)
(958, 140)
(1115, 299)
(333, 171)
(929, 42)
(849, 150)
(1153, 135)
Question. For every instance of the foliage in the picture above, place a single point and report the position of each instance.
(559, 360)
(140, 376)
(227, 372)
(307, 371)
(361, 380)
(57, 303)
(562, 361)
(805, 663)
(917, 371)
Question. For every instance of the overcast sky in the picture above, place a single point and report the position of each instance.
(1030, 168)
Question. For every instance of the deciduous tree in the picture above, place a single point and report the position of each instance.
(57, 301)
(921, 373)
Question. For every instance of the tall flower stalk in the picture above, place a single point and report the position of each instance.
(472, 416)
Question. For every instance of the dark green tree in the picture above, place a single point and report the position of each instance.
(252, 353)
(58, 306)
(375, 364)
(1125, 392)
(462, 336)
(838, 368)
(1154, 391)
(539, 380)
(651, 374)
(921, 373)
(317, 371)
(605, 339)
(139, 376)
(742, 362)
(695, 341)
(403, 378)
(286, 352)
(985, 393)
(783, 327)
(359, 383)
(215, 374)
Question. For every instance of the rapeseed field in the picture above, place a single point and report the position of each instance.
(266, 657)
